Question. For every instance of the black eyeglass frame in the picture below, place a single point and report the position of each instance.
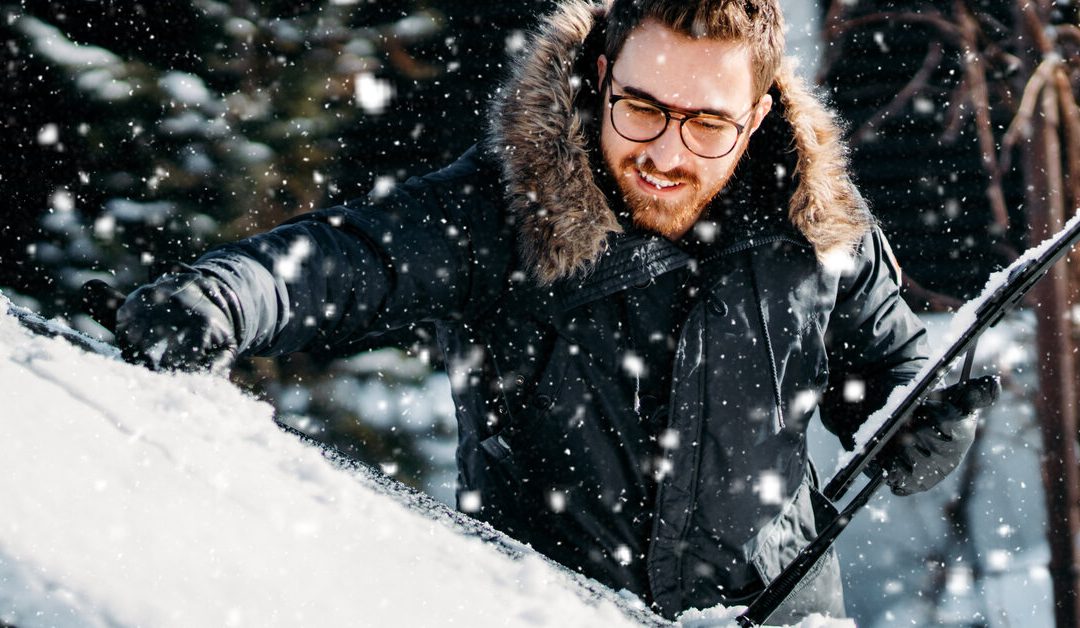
(668, 111)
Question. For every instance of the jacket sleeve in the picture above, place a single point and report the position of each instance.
(436, 247)
(874, 341)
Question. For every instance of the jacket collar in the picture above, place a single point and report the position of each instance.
(631, 259)
(634, 259)
(540, 137)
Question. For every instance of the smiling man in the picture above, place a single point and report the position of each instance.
(646, 281)
(674, 146)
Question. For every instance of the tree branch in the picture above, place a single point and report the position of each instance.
(980, 99)
(1020, 126)
(957, 113)
(1070, 127)
(929, 17)
(1070, 131)
(1068, 31)
(917, 84)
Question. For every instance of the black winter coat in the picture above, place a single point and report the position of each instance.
(518, 257)
(541, 394)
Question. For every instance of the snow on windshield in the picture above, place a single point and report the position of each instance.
(136, 498)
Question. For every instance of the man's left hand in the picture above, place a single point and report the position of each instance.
(940, 433)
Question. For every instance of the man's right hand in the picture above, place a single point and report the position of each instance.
(180, 321)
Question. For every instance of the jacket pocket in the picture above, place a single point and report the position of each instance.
(777, 544)
(502, 499)
(533, 400)
(522, 411)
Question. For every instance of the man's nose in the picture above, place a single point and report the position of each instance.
(667, 152)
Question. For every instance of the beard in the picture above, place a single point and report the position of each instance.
(670, 218)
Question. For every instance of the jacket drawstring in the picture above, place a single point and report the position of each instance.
(780, 424)
(624, 311)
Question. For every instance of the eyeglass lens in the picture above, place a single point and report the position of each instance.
(638, 121)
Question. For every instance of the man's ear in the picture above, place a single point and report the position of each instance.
(601, 69)
(763, 108)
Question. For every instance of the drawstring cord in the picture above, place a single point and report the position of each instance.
(780, 424)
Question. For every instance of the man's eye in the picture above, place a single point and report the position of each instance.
(709, 126)
(642, 109)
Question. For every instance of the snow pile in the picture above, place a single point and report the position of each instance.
(137, 498)
(134, 498)
(720, 616)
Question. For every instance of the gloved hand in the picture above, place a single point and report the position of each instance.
(180, 321)
(939, 434)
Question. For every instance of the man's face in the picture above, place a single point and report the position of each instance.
(671, 69)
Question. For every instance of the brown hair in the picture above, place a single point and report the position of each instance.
(759, 24)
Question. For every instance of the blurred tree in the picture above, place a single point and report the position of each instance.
(926, 88)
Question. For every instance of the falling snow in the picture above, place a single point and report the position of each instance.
(288, 267)
(372, 94)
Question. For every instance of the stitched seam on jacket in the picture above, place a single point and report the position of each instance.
(696, 469)
(634, 260)
(751, 243)
(596, 289)
(658, 512)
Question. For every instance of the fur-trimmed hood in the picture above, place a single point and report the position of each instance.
(539, 135)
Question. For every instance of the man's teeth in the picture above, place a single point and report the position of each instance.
(660, 183)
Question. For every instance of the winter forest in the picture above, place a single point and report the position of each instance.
(137, 136)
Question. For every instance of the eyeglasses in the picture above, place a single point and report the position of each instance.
(641, 119)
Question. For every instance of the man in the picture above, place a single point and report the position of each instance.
(645, 283)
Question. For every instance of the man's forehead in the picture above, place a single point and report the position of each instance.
(686, 72)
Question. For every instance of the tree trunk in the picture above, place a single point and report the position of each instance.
(1056, 404)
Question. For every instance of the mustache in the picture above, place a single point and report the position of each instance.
(644, 164)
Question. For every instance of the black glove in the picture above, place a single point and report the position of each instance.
(180, 321)
(939, 434)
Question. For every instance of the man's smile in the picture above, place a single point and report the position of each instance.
(655, 183)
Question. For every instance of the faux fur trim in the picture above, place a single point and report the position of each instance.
(825, 205)
(537, 135)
